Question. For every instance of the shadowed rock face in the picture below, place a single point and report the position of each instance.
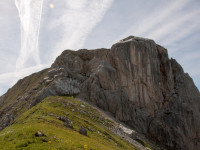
(135, 81)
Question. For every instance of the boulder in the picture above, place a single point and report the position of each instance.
(83, 131)
(39, 134)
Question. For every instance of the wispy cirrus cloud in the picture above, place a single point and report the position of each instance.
(30, 12)
(157, 16)
(9, 79)
(173, 25)
(169, 31)
(76, 21)
(72, 24)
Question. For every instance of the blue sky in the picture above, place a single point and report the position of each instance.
(47, 27)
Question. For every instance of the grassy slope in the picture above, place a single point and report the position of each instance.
(22, 87)
(44, 118)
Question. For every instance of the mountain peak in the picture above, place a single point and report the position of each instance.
(132, 38)
(134, 80)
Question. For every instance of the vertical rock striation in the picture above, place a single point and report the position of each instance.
(135, 81)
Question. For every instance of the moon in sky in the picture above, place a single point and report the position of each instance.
(51, 5)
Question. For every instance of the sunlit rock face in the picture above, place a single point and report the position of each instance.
(135, 81)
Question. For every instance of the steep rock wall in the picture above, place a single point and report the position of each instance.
(135, 81)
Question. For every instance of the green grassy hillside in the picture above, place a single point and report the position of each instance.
(58, 133)
(19, 98)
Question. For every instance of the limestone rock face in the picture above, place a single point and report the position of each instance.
(135, 81)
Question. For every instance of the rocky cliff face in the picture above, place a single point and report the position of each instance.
(134, 80)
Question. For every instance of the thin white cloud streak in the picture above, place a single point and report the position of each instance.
(190, 57)
(30, 16)
(183, 33)
(77, 21)
(160, 16)
(172, 28)
(168, 25)
(175, 46)
(21, 73)
(152, 20)
(9, 79)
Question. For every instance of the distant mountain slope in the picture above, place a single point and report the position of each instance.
(134, 80)
(59, 120)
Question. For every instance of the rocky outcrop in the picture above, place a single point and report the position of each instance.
(135, 81)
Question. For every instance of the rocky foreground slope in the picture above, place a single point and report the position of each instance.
(134, 80)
